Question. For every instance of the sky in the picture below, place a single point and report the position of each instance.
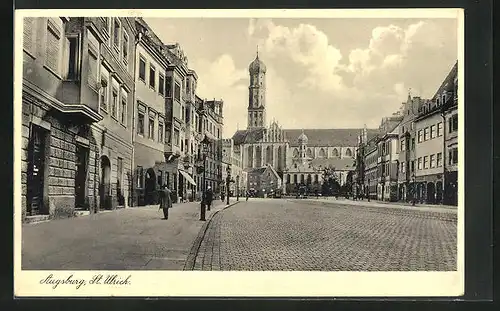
(321, 73)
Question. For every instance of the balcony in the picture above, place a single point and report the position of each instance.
(171, 152)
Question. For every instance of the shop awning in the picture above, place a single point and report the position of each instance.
(188, 178)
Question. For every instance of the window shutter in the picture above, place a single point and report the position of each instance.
(52, 57)
(28, 29)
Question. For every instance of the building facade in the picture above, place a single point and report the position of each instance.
(80, 133)
(451, 146)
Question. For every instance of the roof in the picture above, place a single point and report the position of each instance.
(448, 82)
(248, 136)
(259, 170)
(328, 137)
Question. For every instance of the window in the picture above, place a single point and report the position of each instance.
(114, 104)
(140, 123)
(453, 156)
(71, 58)
(453, 123)
(177, 92)
(142, 69)
(413, 143)
(151, 128)
(183, 112)
(168, 87)
(426, 162)
(125, 48)
(420, 136)
(440, 129)
(419, 166)
(403, 144)
(152, 76)
(140, 175)
(116, 34)
(433, 131)
(433, 160)
(403, 167)
(92, 70)
(426, 134)
(439, 161)
(124, 109)
(52, 47)
(161, 84)
(160, 177)
(176, 137)
(28, 33)
(413, 166)
(160, 132)
(104, 96)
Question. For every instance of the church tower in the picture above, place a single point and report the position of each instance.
(257, 94)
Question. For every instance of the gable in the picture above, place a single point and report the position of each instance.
(327, 137)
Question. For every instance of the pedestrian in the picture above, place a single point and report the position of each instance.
(222, 196)
(165, 200)
(209, 197)
(246, 195)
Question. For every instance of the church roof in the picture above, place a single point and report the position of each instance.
(327, 137)
(315, 137)
(259, 170)
(248, 136)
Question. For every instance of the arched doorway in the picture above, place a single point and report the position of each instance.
(150, 187)
(105, 194)
(439, 192)
(431, 193)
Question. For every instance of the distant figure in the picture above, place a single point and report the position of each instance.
(209, 197)
(222, 196)
(165, 200)
(246, 195)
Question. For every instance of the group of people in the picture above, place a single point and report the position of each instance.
(165, 199)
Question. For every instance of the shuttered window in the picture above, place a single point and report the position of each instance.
(28, 32)
(92, 70)
(53, 48)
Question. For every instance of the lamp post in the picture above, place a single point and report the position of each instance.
(205, 146)
(237, 187)
(228, 182)
(414, 190)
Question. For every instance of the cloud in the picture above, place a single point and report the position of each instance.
(367, 83)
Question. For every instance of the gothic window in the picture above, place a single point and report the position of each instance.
(309, 153)
(348, 153)
(258, 155)
(322, 153)
(335, 152)
(295, 153)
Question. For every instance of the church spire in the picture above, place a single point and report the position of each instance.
(257, 51)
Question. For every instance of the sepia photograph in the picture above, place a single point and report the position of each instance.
(260, 141)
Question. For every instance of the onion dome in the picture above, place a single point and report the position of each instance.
(303, 138)
(257, 65)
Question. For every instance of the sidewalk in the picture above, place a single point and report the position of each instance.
(135, 238)
(374, 203)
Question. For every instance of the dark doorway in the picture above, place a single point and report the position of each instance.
(181, 187)
(439, 192)
(36, 171)
(82, 156)
(431, 193)
(105, 183)
(150, 187)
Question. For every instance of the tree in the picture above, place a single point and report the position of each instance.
(331, 183)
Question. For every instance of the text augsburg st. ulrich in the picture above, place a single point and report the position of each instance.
(98, 279)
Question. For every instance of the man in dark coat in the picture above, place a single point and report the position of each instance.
(165, 200)
(209, 197)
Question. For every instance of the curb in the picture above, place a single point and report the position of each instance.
(193, 253)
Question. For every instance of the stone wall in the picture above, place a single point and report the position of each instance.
(60, 163)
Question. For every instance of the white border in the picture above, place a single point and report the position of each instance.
(194, 283)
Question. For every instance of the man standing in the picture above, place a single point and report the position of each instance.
(165, 200)
(209, 196)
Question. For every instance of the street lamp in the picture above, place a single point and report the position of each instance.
(414, 189)
(228, 181)
(237, 187)
(205, 143)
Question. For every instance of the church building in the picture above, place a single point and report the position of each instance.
(297, 155)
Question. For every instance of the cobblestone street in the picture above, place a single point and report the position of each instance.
(293, 235)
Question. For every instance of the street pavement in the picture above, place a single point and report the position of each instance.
(126, 239)
(303, 235)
